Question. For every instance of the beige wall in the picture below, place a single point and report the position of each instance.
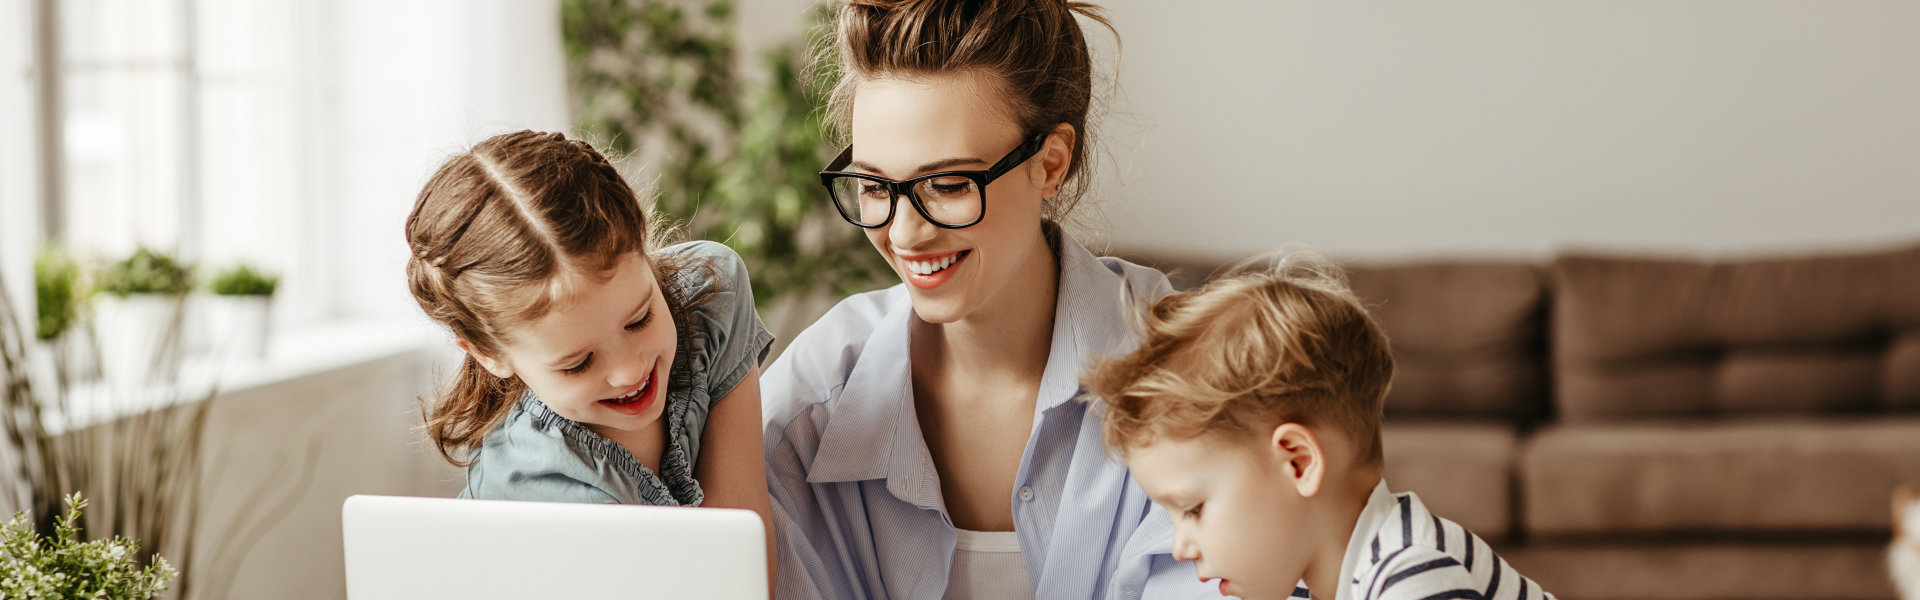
(1509, 128)
(1515, 127)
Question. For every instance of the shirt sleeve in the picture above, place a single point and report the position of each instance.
(1418, 573)
(728, 338)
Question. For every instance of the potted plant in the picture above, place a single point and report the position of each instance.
(58, 291)
(137, 314)
(242, 298)
(61, 566)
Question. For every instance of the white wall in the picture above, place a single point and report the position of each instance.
(411, 84)
(1514, 128)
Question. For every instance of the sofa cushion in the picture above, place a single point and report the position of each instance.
(1819, 334)
(1829, 476)
(1788, 568)
(1463, 471)
(1467, 337)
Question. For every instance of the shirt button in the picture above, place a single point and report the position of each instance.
(1026, 494)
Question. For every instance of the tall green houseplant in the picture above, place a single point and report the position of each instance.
(733, 162)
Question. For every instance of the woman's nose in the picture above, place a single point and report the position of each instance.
(908, 228)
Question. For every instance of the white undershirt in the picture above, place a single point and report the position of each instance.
(987, 564)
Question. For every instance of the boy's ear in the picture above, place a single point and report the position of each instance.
(1299, 453)
(499, 368)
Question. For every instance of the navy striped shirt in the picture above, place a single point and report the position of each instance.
(1401, 551)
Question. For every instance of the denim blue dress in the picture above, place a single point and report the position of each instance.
(536, 454)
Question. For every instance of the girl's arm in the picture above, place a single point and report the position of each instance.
(732, 468)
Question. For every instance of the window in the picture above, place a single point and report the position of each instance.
(292, 134)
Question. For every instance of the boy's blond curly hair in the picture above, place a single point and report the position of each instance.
(1287, 343)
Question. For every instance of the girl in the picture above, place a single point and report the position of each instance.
(599, 367)
(923, 441)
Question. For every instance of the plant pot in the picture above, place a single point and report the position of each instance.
(139, 337)
(239, 326)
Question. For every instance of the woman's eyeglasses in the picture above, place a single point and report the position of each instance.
(948, 199)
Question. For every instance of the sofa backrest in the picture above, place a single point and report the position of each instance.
(1655, 337)
(1468, 336)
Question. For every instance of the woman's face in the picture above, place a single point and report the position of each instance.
(601, 358)
(905, 128)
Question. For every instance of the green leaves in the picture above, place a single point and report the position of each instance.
(243, 280)
(57, 292)
(146, 272)
(736, 163)
(61, 566)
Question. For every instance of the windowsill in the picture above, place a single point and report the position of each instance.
(316, 350)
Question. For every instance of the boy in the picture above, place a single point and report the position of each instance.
(1251, 411)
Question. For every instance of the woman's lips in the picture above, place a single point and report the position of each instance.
(928, 271)
(643, 398)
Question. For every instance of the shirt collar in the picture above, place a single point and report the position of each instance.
(874, 432)
(1379, 504)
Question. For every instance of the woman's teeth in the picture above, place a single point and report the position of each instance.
(929, 267)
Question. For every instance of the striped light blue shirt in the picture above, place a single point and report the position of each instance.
(1400, 551)
(856, 501)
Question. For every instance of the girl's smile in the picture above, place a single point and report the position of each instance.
(637, 400)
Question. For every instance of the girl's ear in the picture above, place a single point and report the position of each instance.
(1055, 156)
(499, 368)
(1299, 454)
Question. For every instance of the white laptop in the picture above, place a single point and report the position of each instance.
(399, 547)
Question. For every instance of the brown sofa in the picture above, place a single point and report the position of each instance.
(1640, 427)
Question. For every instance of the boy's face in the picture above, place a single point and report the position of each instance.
(1237, 513)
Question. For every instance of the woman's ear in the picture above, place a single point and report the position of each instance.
(499, 368)
(1298, 452)
(1055, 155)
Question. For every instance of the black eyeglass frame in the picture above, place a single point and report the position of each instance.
(896, 189)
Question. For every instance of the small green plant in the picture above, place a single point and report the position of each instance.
(146, 272)
(737, 160)
(56, 291)
(61, 566)
(243, 280)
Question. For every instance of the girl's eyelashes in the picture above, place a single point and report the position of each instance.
(1194, 513)
(642, 323)
(587, 363)
(580, 368)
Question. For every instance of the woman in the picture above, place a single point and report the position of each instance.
(926, 441)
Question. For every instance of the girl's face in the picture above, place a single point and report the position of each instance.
(906, 128)
(1235, 513)
(602, 358)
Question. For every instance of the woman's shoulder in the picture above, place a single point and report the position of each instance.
(815, 366)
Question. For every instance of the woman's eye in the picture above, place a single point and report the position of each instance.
(873, 190)
(642, 323)
(953, 186)
(582, 367)
(1194, 513)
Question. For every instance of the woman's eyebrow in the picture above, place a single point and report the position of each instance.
(938, 165)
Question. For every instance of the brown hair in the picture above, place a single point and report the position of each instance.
(1034, 47)
(497, 235)
(1246, 353)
